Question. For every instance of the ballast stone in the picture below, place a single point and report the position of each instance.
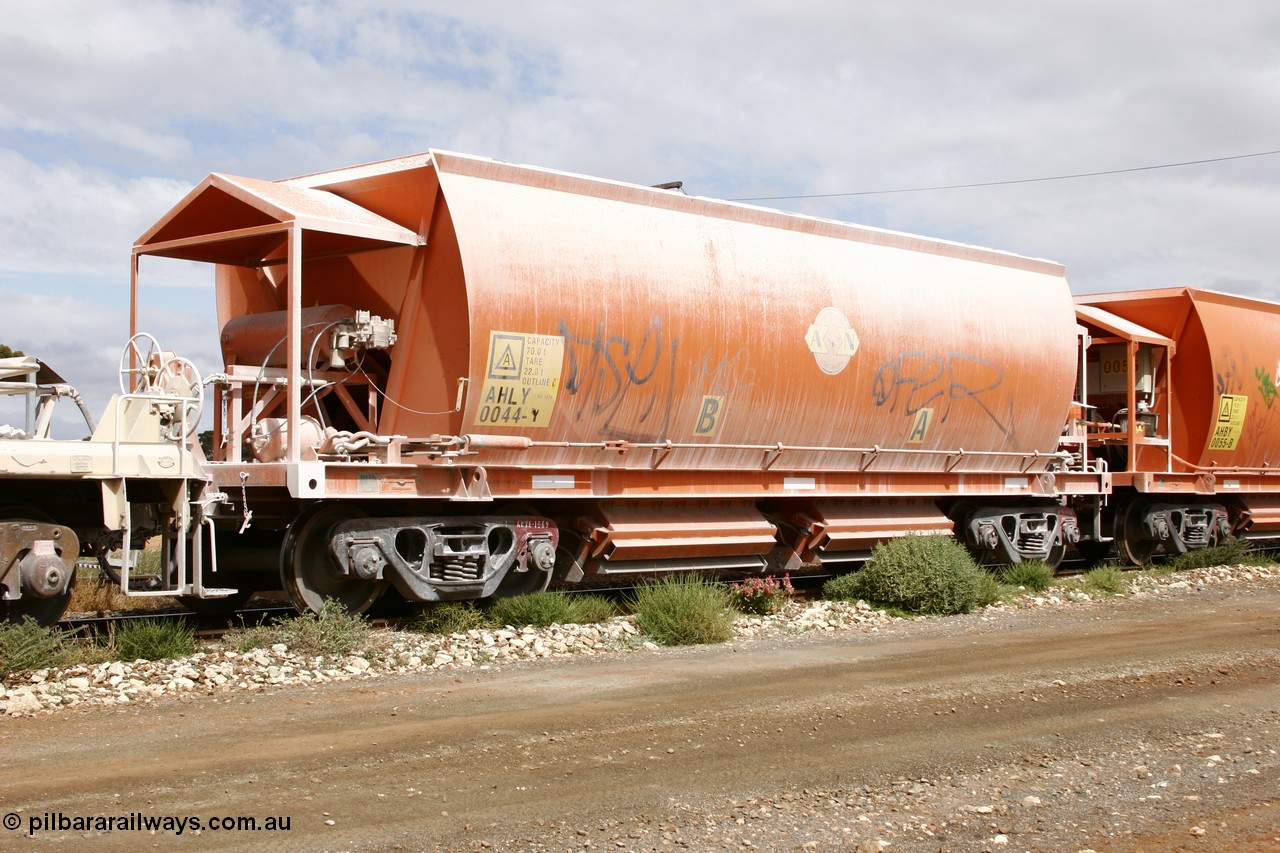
(221, 671)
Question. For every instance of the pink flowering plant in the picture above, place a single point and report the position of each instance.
(762, 596)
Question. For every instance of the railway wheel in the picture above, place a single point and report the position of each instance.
(1131, 534)
(1056, 555)
(45, 611)
(308, 570)
(533, 579)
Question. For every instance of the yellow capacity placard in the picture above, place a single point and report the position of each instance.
(1226, 431)
(521, 380)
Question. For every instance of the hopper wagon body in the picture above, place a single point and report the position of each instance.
(590, 378)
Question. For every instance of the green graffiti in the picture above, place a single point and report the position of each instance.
(1266, 387)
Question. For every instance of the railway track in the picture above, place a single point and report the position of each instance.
(206, 626)
(213, 626)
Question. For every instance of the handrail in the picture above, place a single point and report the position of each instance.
(478, 440)
(1216, 469)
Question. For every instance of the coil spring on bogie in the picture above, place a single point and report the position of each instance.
(1196, 535)
(456, 569)
(1033, 541)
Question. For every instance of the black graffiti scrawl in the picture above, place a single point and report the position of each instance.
(609, 371)
(917, 380)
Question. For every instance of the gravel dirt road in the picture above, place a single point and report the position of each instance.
(1147, 723)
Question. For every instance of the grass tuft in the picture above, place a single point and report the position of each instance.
(27, 645)
(450, 617)
(541, 609)
(246, 638)
(1032, 574)
(538, 609)
(590, 608)
(333, 632)
(1107, 580)
(990, 590)
(1158, 570)
(683, 611)
(154, 639)
(1231, 552)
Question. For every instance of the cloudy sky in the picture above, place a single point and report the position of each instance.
(110, 111)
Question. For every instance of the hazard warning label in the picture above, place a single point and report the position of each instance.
(1226, 430)
(521, 380)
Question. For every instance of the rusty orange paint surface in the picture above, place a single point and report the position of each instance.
(581, 310)
(1226, 406)
(577, 310)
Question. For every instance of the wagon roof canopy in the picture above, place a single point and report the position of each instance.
(1118, 325)
(244, 222)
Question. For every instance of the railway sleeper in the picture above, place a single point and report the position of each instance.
(438, 559)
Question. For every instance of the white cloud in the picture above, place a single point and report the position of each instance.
(72, 218)
(85, 341)
(113, 111)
